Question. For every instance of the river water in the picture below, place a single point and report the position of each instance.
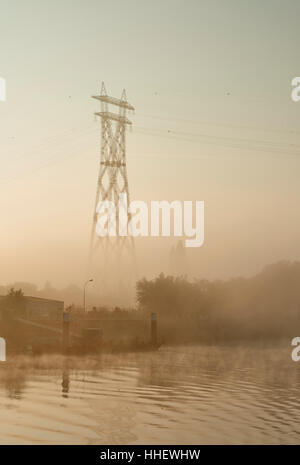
(177, 395)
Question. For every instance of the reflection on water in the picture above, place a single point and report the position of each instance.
(176, 395)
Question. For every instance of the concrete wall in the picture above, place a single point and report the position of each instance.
(43, 308)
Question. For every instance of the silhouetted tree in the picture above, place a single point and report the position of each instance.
(13, 303)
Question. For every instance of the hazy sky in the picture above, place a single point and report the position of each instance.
(211, 83)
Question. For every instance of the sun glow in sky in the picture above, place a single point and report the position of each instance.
(214, 121)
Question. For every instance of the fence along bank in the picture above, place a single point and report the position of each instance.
(41, 325)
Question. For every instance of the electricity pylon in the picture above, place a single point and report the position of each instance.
(112, 257)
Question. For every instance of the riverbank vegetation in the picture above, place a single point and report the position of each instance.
(260, 307)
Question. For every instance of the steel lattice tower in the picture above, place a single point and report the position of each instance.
(108, 254)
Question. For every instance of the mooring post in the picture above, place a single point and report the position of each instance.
(153, 329)
(65, 332)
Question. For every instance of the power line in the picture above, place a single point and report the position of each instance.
(221, 124)
(232, 142)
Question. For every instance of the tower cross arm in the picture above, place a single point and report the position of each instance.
(114, 101)
(113, 116)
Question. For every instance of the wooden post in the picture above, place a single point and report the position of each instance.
(153, 329)
(65, 332)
